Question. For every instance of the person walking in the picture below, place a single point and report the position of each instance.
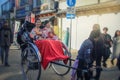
(85, 56)
(5, 42)
(107, 46)
(98, 51)
(116, 46)
(0, 40)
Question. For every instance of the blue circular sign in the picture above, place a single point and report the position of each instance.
(71, 3)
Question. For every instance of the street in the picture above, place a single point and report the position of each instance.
(14, 71)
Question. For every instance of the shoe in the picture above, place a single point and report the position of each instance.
(1, 61)
(112, 62)
(7, 65)
(104, 64)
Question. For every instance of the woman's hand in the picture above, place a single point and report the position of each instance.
(38, 32)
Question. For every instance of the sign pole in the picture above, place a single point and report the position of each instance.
(70, 34)
(70, 15)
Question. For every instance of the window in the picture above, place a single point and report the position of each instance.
(44, 1)
(23, 2)
(5, 7)
(36, 3)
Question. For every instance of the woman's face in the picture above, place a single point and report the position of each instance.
(6, 24)
(118, 33)
(38, 23)
(48, 24)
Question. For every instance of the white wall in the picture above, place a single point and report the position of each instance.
(82, 26)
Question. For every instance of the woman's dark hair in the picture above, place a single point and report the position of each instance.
(105, 28)
(94, 34)
(116, 33)
(42, 25)
(37, 19)
(47, 21)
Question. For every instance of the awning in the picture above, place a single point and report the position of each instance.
(46, 15)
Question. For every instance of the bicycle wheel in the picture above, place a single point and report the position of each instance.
(61, 70)
(30, 63)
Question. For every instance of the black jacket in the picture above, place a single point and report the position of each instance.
(6, 36)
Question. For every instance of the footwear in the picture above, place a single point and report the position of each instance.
(104, 64)
(1, 61)
(7, 65)
(112, 62)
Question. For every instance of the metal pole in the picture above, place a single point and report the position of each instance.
(76, 32)
(70, 33)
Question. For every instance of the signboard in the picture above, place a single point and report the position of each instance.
(70, 13)
(16, 28)
(32, 18)
(71, 3)
(17, 25)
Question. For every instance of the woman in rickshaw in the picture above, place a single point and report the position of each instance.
(47, 43)
(45, 33)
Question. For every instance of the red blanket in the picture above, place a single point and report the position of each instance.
(51, 50)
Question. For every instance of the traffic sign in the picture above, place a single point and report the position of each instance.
(70, 16)
(71, 3)
(70, 13)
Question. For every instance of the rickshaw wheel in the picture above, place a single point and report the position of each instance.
(61, 70)
(31, 67)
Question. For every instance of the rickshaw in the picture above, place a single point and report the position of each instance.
(31, 58)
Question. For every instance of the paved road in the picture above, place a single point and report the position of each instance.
(14, 71)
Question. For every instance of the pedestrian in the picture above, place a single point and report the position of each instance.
(107, 45)
(47, 29)
(84, 58)
(0, 40)
(5, 42)
(36, 32)
(116, 46)
(98, 51)
(89, 45)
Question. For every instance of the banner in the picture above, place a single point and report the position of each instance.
(17, 25)
(32, 18)
(16, 28)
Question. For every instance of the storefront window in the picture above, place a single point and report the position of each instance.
(36, 3)
(5, 7)
(44, 1)
(23, 2)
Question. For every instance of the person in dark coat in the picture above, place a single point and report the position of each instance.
(98, 51)
(107, 46)
(0, 31)
(5, 42)
(85, 55)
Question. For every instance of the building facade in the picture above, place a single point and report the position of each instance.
(7, 11)
(41, 8)
(23, 8)
(103, 12)
(7, 8)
